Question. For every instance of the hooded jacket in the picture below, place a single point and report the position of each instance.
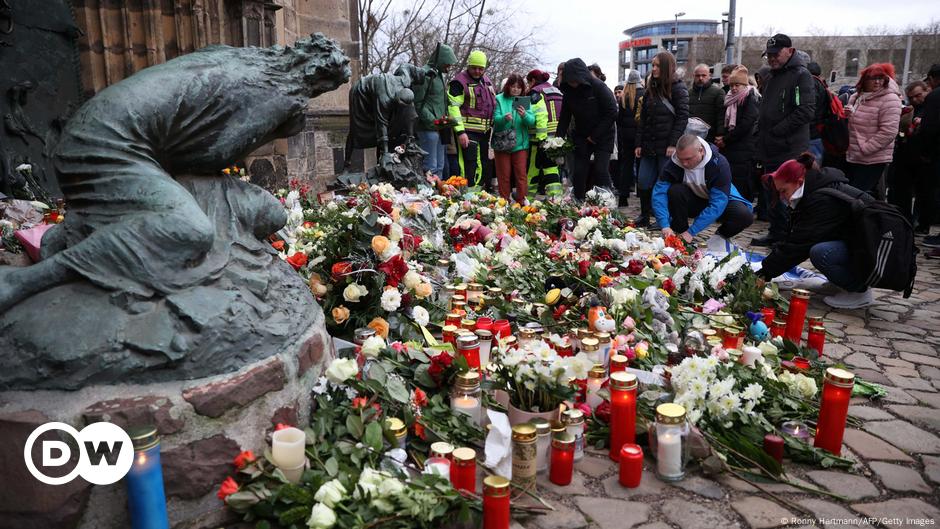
(658, 126)
(591, 104)
(708, 104)
(431, 95)
(788, 107)
(873, 125)
(816, 218)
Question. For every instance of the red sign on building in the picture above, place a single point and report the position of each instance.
(627, 44)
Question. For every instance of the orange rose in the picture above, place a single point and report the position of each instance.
(606, 281)
(380, 244)
(423, 290)
(380, 326)
(229, 487)
(278, 245)
(316, 285)
(340, 314)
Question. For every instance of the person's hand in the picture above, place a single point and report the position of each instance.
(670, 151)
(760, 282)
(686, 236)
(667, 232)
(848, 109)
(507, 116)
(463, 140)
(638, 152)
(520, 111)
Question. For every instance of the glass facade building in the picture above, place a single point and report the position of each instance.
(646, 40)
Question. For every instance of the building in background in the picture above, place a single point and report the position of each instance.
(691, 40)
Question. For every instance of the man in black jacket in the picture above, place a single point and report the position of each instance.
(707, 102)
(592, 106)
(822, 107)
(930, 145)
(787, 109)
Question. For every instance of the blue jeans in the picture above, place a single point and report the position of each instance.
(430, 141)
(816, 147)
(650, 169)
(832, 258)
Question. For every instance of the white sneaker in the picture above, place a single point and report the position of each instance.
(800, 277)
(850, 300)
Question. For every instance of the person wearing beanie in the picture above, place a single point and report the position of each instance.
(820, 226)
(471, 102)
(740, 121)
(544, 175)
(874, 112)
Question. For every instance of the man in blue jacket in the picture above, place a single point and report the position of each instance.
(696, 183)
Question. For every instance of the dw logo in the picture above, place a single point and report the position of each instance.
(105, 453)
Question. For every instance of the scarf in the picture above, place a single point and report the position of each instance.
(732, 102)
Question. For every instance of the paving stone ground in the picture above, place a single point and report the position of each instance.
(895, 342)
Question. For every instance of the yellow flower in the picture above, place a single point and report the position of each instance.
(396, 214)
(423, 290)
(380, 326)
(664, 292)
(340, 314)
(380, 244)
(641, 352)
(501, 202)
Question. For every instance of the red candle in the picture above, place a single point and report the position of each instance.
(732, 338)
(449, 334)
(622, 411)
(501, 328)
(463, 471)
(801, 363)
(631, 465)
(773, 445)
(484, 324)
(495, 503)
(816, 339)
(562, 460)
(453, 319)
(618, 363)
(469, 347)
(799, 302)
(778, 328)
(768, 314)
(564, 350)
(837, 390)
(468, 324)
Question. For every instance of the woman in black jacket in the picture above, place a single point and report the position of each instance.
(630, 96)
(820, 228)
(738, 142)
(664, 113)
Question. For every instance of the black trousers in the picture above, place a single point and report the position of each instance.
(741, 171)
(623, 175)
(685, 204)
(909, 178)
(865, 177)
(598, 169)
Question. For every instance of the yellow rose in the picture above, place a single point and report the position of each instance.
(380, 244)
(423, 290)
(396, 214)
(380, 326)
(340, 314)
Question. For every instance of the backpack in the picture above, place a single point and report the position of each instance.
(834, 126)
(882, 245)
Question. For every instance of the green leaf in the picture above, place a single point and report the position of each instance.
(332, 466)
(378, 373)
(397, 390)
(423, 377)
(354, 425)
(241, 501)
(373, 436)
(263, 524)
(294, 515)
(427, 336)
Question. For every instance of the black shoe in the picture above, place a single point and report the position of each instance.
(933, 254)
(641, 222)
(932, 242)
(623, 202)
(767, 241)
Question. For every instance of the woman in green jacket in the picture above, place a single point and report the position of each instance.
(512, 113)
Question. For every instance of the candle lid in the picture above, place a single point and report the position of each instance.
(467, 341)
(840, 377)
(598, 371)
(475, 287)
(780, 322)
(362, 334)
(527, 333)
(462, 286)
(670, 413)
(450, 329)
(542, 426)
(602, 337)
(467, 322)
(495, 290)
(457, 297)
(464, 455)
(817, 328)
(552, 296)
(441, 449)
(523, 432)
(582, 333)
(619, 359)
(707, 333)
(469, 378)
(443, 262)
(484, 334)
(518, 301)
(458, 305)
(623, 380)
(495, 486)
(397, 426)
(590, 344)
(510, 341)
(631, 450)
(563, 440)
(800, 293)
(144, 437)
(573, 416)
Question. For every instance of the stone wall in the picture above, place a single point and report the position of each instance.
(203, 424)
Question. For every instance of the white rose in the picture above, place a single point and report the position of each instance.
(369, 481)
(806, 386)
(412, 279)
(391, 300)
(341, 370)
(353, 292)
(321, 517)
(372, 346)
(330, 493)
(391, 487)
(395, 232)
(421, 316)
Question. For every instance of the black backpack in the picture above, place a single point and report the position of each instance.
(882, 245)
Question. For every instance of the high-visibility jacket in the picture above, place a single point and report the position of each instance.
(539, 131)
(471, 103)
(552, 97)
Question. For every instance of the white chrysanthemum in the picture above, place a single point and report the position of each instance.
(384, 221)
(421, 316)
(753, 392)
(391, 299)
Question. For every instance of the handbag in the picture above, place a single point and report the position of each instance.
(504, 140)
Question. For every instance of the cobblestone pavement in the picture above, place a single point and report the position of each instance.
(897, 480)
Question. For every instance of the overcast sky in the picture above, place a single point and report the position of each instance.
(591, 29)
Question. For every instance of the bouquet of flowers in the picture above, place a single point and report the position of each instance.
(536, 378)
(444, 122)
(556, 148)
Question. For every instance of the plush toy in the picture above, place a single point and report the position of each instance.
(758, 329)
(600, 321)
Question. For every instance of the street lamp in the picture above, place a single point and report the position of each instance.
(675, 32)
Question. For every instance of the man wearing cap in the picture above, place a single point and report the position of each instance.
(788, 108)
(930, 143)
(471, 101)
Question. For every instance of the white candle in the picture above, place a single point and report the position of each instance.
(669, 453)
(293, 474)
(486, 343)
(593, 386)
(437, 465)
(467, 405)
(604, 355)
(750, 354)
(287, 448)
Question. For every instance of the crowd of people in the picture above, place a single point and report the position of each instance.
(726, 152)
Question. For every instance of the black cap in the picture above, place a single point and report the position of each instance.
(934, 70)
(777, 43)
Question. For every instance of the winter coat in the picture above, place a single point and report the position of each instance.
(930, 126)
(787, 109)
(431, 95)
(659, 127)
(741, 141)
(717, 180)
(873, 125)
(822, 107)
(521, 124)
(816, 218)
(626, 122)
(708, 104)
(591, 104)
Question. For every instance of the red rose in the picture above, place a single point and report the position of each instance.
(419, 431)
(381, 204)
(243, 459)
(229, 487)
(669, 286)
(278, 245)
(281, 426)
(439, 364)
(603, 255)
(394, 270)
(559, 311)
(421, 398)
(603, 412)
(340, 269)
(583, 267)
(635, 267)
(664, 259)
(298, 260)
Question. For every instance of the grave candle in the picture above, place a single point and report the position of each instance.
(799, 302)
(768, 315)
(437, 465)
(623, 387)
(146, 499)
(631, 465)
(671, 445)
(796, 429)
(595, 380)
(773, 445)
(618, 363)
(830, 427)
(495, 503)
(816, 339)
(562, 465)
(463, 471)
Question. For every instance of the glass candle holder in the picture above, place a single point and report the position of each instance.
(463, 470)
(595, 381)
(768, 315)
(449, 334)
(618, 363)
(524, 452)
(468, 324)
(833, 410)
(439, 466)
(441, 449)
(603, 352)
(732, 338)
(623, 388)
(591, 347)
(543, 445)
(574, 424)
(468, 345)
(466, 396)
(527, 336)
(399, 430)
(778, 328)
(562, 464)
(631, 465)
(672, 446)
(461, 290)
(502, 329)
(801, 363)
(146, 499)
(816, 339)
(495, 503)
(796, 429)
(485, 337)
(796, 315)
(453, 319)
(773, 445)
(474, 293)
(484, 324)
